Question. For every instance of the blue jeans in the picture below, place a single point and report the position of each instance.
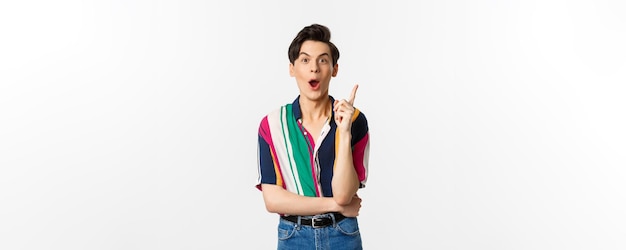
(338, 236)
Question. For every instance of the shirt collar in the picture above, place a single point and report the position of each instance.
(297, 112)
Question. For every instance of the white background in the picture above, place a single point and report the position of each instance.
(133, 124)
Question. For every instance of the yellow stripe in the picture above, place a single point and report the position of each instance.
(356, 114)
(279, 178)
(336, 147)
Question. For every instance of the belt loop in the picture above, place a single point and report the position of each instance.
(299, 224)
(332, 215)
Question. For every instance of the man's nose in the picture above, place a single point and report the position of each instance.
(314, 67)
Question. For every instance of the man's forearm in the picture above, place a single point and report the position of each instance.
(279, 200)
(345, 181)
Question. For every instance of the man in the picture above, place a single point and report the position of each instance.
(313, 153)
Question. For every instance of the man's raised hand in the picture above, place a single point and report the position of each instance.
(344, 110)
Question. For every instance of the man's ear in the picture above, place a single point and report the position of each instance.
(335, 69)
(291, 72)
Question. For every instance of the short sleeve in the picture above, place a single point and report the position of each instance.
(265, 160)
(360, 147)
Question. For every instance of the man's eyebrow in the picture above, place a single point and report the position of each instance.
(323, 54)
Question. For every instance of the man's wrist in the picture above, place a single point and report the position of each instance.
(345, 135)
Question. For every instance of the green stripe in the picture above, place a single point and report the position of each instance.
(285, 135)
(301, 154)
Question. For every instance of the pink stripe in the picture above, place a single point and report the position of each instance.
(313, 172)
(358, 154)
(264, 131)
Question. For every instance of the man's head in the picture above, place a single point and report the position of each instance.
(314, 32)
(313, 61)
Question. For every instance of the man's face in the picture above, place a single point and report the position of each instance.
(313, 69)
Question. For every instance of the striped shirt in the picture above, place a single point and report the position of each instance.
(288, 156)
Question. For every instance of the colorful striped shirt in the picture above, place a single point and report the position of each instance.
(288, 156)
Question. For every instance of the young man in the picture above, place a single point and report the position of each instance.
(313, 153)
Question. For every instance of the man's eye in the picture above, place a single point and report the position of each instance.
(323, 60)
(305, 60)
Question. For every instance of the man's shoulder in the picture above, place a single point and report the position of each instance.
(361, 114)
(360, 120)
(276, 112)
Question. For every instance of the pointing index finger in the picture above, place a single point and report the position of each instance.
(353, 94)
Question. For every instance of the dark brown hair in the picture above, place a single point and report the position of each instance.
(314, 32)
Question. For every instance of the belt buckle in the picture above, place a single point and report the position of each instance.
(320, 223)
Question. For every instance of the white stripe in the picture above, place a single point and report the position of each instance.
(325, 131)
(258, 164)
(366, 160)
(282, 148)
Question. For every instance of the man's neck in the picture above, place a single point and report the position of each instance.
(313, 110)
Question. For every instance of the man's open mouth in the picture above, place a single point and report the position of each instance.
(314, 83)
